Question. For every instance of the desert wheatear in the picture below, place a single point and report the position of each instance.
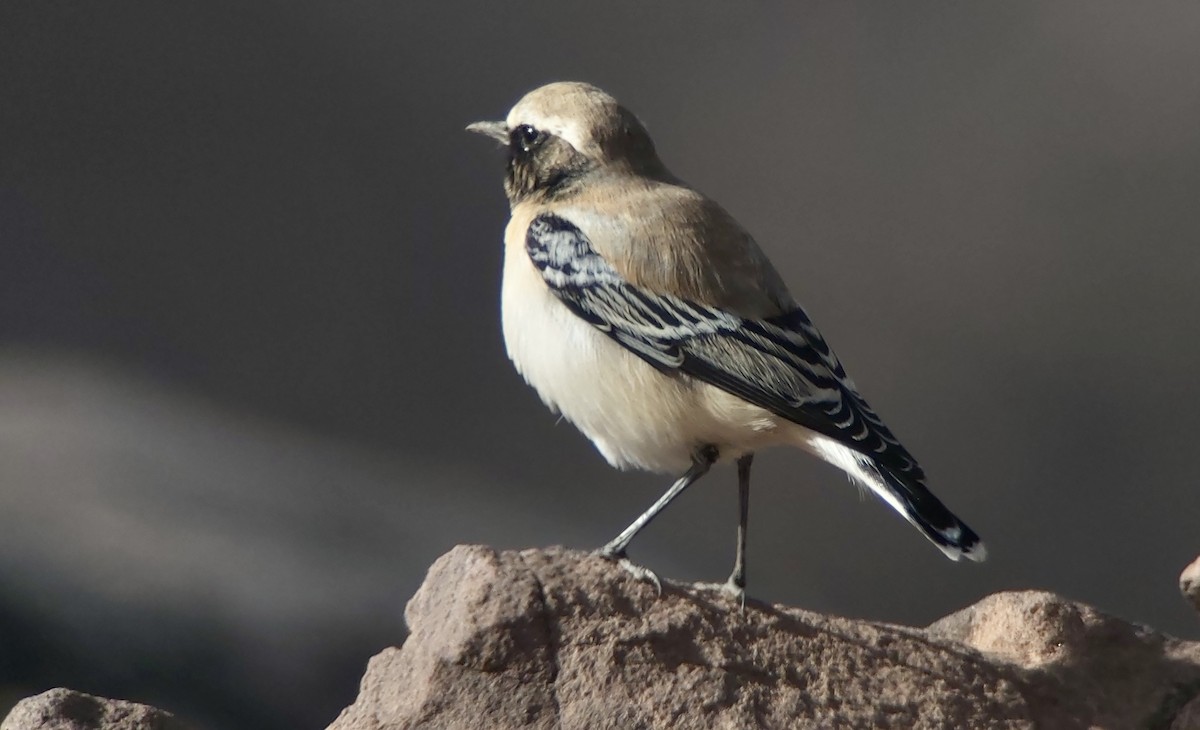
(648, 317)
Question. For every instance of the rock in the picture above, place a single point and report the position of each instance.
(556, 638)
(561, 639)
(1189, 717)
(1189, 583)
(1076, 662)
(65, 709)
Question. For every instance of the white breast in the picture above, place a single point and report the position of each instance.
(635, 415)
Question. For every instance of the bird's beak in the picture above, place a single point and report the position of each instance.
(496, 130)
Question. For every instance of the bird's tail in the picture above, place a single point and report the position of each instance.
(918, 505)
(910, 498)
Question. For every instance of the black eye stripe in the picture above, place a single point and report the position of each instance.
(526, 137)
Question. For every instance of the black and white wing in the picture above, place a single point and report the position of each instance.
(781, 364)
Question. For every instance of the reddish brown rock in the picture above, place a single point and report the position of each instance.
(65, 709)
(554, 638)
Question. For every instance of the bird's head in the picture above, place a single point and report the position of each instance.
(559, 133)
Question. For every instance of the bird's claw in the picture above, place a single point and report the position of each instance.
(638, 572)
(729, 589)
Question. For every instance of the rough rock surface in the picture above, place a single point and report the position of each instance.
(64, 709)
(561, 639)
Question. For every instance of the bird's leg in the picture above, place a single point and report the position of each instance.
(702, 460)
(736, 585)
(701, 463)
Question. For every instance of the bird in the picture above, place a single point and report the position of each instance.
(640, 311)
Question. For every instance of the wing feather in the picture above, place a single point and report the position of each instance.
(781, 364)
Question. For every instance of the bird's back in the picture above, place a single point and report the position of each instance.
(667, 238)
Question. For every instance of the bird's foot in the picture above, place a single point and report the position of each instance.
(637, 571)
(731, 589)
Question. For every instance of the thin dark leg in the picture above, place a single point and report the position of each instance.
(737, 579)
(701, 462)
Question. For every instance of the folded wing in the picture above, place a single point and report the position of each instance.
(781, 364)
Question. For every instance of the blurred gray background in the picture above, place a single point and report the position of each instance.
(251, 374)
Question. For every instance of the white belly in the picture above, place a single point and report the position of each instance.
(634, 414)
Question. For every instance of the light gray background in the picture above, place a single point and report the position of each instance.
(252, 381)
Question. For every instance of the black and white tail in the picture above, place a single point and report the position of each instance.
(911, 498)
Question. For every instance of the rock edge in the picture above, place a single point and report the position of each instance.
(66, 709)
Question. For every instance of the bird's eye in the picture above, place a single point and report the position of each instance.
(527, 137)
